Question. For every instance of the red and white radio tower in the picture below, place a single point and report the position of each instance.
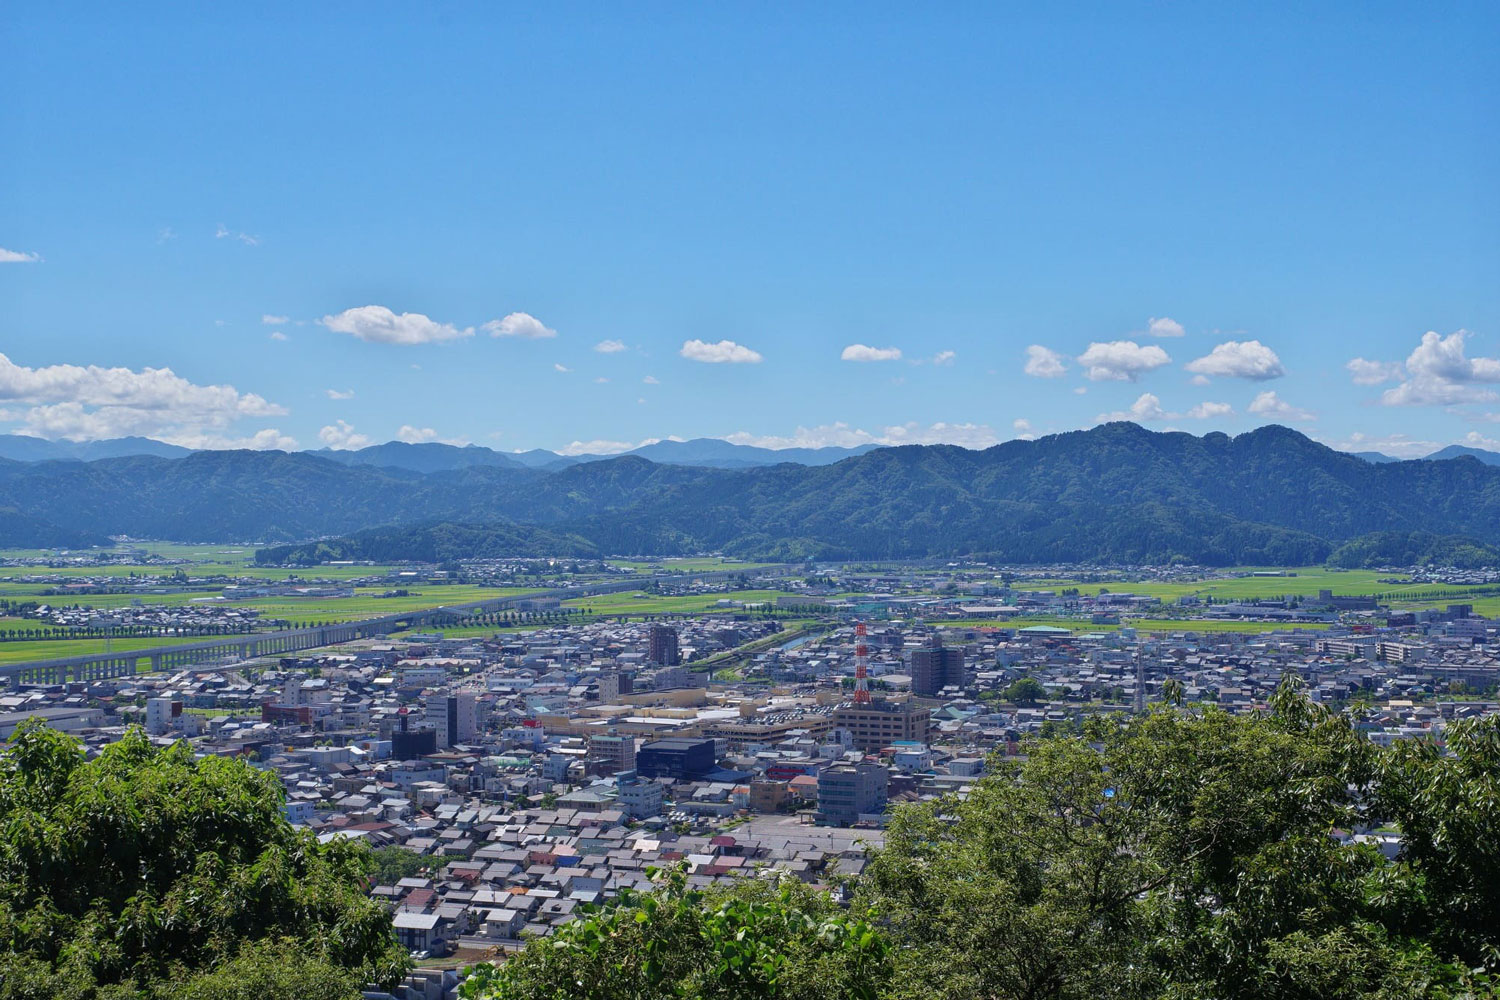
(861, 666)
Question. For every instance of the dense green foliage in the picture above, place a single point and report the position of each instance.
(147, 874)
(1413, 548)
(1115, 493)
(754, 940)
(1184, 855)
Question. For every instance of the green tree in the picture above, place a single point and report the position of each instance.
(1025, 691)
(1179, 855)
(756, 940)
(145, 867)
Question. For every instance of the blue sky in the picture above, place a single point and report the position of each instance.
(338, 224)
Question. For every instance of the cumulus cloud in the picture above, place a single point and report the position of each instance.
(340, 394)
(605, 447)
(424, 435)
(943, 358)
(723, 352)
(1165, 327)
(341, 436)
(860, 352)
(519, 324)
(843, 435)
(651, 380)
(1042, 362)
(610, 346)
(1022, 427)
(1268, 404)
(1121, 360)
(1148, 408)
(270, 320)
(600, 380)
(1207, 411)
(1395, 445)
(379, 325)
(157, 391)
(276, 335)
(18, 257)
(1440, 372)
(560, 367)
(1239, 359)
(1364, 372)
(269, 439)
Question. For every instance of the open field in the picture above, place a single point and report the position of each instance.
(1139, 624)
(642, 603)
(27, 650)
(1308, 581)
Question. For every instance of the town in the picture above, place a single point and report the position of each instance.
(509, 775)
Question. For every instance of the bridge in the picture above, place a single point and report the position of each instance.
(236, 649)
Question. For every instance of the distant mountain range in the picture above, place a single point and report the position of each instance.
(1115, 493)
(712, 453)
(433, 457)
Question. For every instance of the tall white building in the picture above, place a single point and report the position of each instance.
(159, 716)
(455, 717)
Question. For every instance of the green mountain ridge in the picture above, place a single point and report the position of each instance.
(1116, 492)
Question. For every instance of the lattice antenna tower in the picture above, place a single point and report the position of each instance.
(861, 666)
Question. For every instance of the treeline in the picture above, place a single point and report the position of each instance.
(1413, 548)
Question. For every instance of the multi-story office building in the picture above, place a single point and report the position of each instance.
(455, 717)
(881, 723)
(680, 759)
(611, 754)
(848, 791)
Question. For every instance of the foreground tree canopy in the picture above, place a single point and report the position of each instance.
(147, 874)
(1178, 856)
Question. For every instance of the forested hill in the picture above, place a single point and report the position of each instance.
(1116, 492)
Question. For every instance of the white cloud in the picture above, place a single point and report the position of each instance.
(18, 257)
(1165, 327)
(943, 358)
(150, 389)
(1022, 427)
(1364, 372)
(1042, 362)
(1440, 373)
(859, 352)
(723, 352)
(1268, 404)
(610, 346)
(597, 447)
(1395, 445)
(340, 436)
(1200, 380)
(559, 367)
(1239, 359)
(424, 435)
(269, 439)
(1474, 439)
(1147, 407)
(277, 335)
(337, 394)
(270, 320)
(651, 380)
(1208, 411)
(1121, 360)
(379, 325)
(222, 232)
(842, 435)
(601, 380)
(519, 324)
